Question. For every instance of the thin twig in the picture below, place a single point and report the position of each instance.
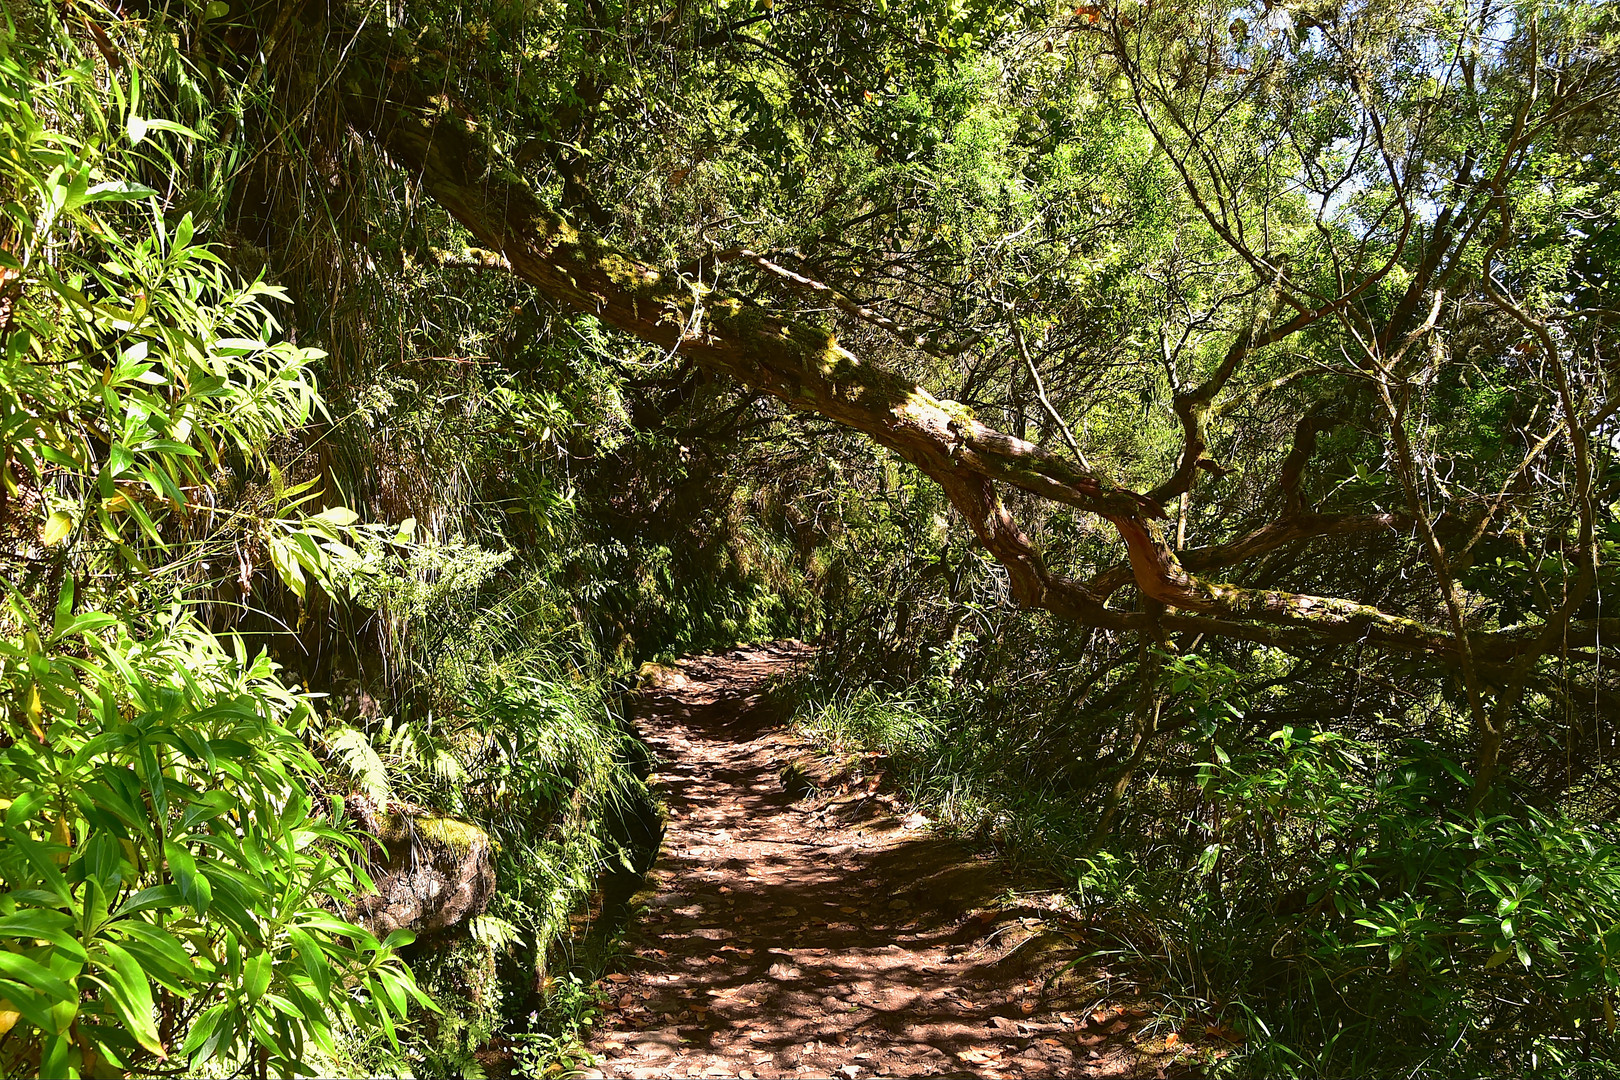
(914, 338)
(1040, 392)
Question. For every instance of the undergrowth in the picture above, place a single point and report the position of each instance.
(1327, 904)
(511, 726)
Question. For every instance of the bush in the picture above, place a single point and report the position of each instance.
(1331, 899)
(171, 888)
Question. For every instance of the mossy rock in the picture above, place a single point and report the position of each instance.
(651, 676)
(433, 872)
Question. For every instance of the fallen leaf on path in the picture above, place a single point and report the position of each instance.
(612, 1045)
(616, 977)
(981, 1057)
(1171, 1039)
(849, 910)
(1026, 1006)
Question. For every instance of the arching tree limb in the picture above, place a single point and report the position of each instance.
(805, 367)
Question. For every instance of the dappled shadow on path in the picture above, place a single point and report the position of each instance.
(819, 936)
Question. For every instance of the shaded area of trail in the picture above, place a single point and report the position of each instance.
(819, 936)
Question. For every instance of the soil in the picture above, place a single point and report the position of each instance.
(799, 922)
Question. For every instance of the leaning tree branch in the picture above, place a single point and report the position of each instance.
(805, 367)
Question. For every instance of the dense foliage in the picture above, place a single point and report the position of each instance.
(172, 890)
(1188, 429)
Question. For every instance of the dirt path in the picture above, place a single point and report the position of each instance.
(820, 936)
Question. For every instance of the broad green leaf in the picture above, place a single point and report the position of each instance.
(256, 975)
(131, 994)
(56, 529)
(44, 925)
(42, 861)
(35, 976)
(341, 516)
(152, 899)
(202, 1033)
(121, 191)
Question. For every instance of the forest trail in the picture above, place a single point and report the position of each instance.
(789, 934)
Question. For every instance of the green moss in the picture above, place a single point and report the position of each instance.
(457, 835)
(627, 273)
(919, 402)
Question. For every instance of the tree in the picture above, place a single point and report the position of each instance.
(1366, 169)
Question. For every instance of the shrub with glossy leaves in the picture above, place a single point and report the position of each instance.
(170, 889)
